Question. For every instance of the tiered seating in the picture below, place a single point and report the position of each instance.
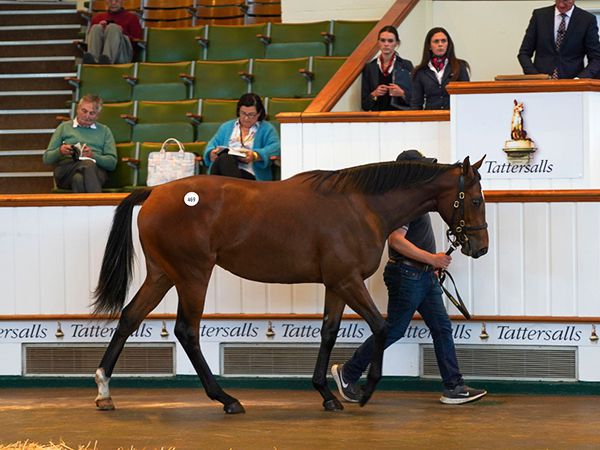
(168, 13)
(219, 79)
(262, 11)
(320, 70)
(226, 12)
(107, 80)
(158, 121)
(155, 81)
(290, 40)
(191, 77)
(212, 114)
(345, 35)
(172, 44)
(279, 77)
(224, 42)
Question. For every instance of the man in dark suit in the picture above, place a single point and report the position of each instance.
(560, 47)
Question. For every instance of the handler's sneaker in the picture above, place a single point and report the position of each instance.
(349, 391)
(461, 394)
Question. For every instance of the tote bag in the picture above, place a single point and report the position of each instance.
(164, 166)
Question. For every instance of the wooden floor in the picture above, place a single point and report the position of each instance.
(290, 419)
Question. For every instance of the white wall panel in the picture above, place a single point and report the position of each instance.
(8, 279)
(27, 265)
(563, 291)
(587, 248)
(510, 259)
(77, 259)
(52, 276)
(279, 298)
(484, 290)
(543, 259)
(536, 241)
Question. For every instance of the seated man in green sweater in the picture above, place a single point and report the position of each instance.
(82, 149)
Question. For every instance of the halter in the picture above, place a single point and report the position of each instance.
(457, 233)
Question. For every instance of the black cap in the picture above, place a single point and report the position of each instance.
(411, 155)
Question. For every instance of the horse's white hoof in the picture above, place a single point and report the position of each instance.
(105, 404)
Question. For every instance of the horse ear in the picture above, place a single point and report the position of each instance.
(478, 164)
(466, 165)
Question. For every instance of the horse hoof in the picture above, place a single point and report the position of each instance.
(333, 405)
(105, 404)
(234, 408)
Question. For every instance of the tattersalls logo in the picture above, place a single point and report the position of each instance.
(519, 150)
(519, 147)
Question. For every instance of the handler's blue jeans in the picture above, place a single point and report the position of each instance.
(411, 290)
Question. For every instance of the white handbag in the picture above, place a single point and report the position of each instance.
(164, 166)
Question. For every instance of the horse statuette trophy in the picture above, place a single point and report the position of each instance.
(519, 148)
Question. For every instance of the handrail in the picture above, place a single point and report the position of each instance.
(352, 67)
(491, 196)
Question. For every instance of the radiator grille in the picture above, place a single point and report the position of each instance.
(276, 360)
(517, 363)
(135, 359)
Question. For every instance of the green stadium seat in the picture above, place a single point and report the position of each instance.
(276, 105)
(158, 121)
(293, 40)
(160, 81)
(173, 44)
(279, 77)
(228, 42)
(107, 81)
(321, 69)
(122, 175)
(345, 35)
(111, 117)
(213, 113)
(219, 79)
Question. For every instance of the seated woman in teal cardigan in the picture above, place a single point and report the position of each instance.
(243, 147)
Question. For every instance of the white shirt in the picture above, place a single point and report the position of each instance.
(558, 19)
(439, 75)
(76, 124)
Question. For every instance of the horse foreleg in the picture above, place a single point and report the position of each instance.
(359, 299)
(146, 299)
(187, 331)
(334, 307)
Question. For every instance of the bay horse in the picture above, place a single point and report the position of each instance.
(325, 227)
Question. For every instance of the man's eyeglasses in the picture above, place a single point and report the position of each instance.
(248, 115)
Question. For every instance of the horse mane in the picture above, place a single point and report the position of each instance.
(377, 178)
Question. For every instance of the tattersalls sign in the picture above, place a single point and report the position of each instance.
(525, 136)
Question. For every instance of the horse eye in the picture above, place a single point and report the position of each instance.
(477, 202)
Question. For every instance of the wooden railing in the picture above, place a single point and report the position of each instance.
(349, 71)
(497, 196)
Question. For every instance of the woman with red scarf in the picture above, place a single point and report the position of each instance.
(386, 80)
(438, 67)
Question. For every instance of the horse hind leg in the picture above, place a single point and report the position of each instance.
(359, 299)
(145, 300)
(187, 331)
(334, 307)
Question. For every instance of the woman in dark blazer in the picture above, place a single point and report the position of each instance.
(438, 67)
(386, 81)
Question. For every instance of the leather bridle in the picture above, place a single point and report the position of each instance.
(457, 232)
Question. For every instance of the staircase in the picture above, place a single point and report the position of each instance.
(36, 53)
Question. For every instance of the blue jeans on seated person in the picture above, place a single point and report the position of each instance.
(411, 290)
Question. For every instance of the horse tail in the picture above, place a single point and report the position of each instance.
(117, 264)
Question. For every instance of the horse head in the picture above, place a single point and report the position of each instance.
(463, 208)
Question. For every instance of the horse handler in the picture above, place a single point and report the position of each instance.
(412, 282)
